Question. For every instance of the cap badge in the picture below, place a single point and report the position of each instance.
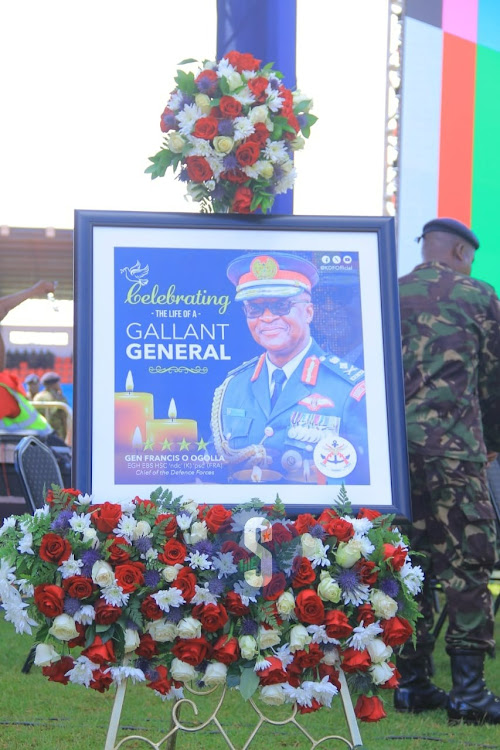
(264, 267)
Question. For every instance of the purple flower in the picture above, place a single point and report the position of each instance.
(390, 587)
(183, 176)
(218, 192)
(205, 547)
(169, 120)
(176, 614)
(143, 543)
(317, 531)
(226, 127)
(249, 627)
(71, 605)
(62, 520)
(216, 586)
(206, 85)
(302, 120)
(151, 578)
(89, 557)
(348, 579)
(230, 162)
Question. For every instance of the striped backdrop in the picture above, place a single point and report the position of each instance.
(450, 125)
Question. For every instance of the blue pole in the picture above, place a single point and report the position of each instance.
(267, 29)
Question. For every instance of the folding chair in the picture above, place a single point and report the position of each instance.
(38, 470)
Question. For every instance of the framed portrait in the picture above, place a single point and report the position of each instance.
(230, 357)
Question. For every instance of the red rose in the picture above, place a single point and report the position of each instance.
(397, 631)
(393, 682)
(343, 530)
(99, 652)
(147, 647)
(369, 709)
(366, 614)
(280, 535)
(207, 82)
(234, 605)
(49, 599)
(260, 134)
(106, 614)
(56, 672)
(242, 61)
(198, 169)
(315, 705)
(327, 670)
(106, 516)
(302, 572)
(286, 95)
(192, 650)
(242, 200)
(293, 674)
(337, 624)
(130, 576)
(294, 123)
(161, 684)
(247, 153)
(173, 552)
(80, 638)
(150, 609)
(143, 504)
(275, 587)
(185, 582)
(54, 549)
(101, 680)
(235, 176)
(229, 106)
(309, 607)
(78, 587)
(117, 553)
(355, 661)
(226, 650)
(239, 553)
(274, 673)
(368, 513)
(167, 121)
(303, 523)
(311, 658)
(217, 518)
(396, 556)
(326, 516)
(206, 128)
(367, 572)
(211, 616)
(169, 522)
(258, 86)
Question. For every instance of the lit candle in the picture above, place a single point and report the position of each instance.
(132, 410)
(164, 432)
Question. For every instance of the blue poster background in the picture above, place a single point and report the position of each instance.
(180, 302)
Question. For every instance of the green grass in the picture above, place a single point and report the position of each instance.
(35, 713)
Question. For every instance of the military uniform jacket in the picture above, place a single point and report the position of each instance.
(323, 394)
(451, 358)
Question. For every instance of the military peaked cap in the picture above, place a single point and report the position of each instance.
(451, 226)
(50, 377)
(277, 275)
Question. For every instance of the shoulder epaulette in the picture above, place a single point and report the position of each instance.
(345, 369)
(243, 366)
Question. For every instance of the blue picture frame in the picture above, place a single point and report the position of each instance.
(119, 327)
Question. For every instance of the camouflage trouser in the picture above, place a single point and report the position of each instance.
(454, 525)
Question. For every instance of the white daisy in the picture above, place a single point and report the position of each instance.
(170, 598)
(284, 655)
(79, 522)
(361, 525)
(274, 100)
(114, 595)
(82, 671)
(261, 663)
(25, 544)
(362, 635)
(242, 128)
(41, 512)
(225, 69)
(184, 521)
(413, 577)
(188, 117)
(319, 635)
(85, 615)
(223, 562)
(203, 595)
(126, 527)
(71, 567)
(276, 152)
(244, 96)
(199, 560)
(120, 674)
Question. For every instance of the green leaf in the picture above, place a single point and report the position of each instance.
(187, 60)
(224, 86)
(185, 82)
(249, 683)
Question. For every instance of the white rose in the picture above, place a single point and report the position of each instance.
(142, 528)
(328, 589)
(234, 80)
(265, 169)
(132, 640)
(285, 603)
(190, 506)
(215, 674)
(170, 572)
(298, 143)
(253, 578)
(162, 630)
(223, 144)
(175, 143)
(45, 654)
(248, 646)
(197, 533)
(189, 627)
(380, 673)
(331, 658)
(89, 535)
(287, 167)
(309, 545)
(348, 553)
(259, 114)
(268, 638)
(378, 650)
(384, 606)
(204, 103)
(273, 695)
(182, 671)
(63, 628)
(102, 573)
(299, 637)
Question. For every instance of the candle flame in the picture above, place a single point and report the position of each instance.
(129, 383)
(172, 409)
(256, 475)
(137, 440)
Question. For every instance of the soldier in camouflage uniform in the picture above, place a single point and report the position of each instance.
(451, 359)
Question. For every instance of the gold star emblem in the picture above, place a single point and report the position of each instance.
(148, 445)
(166, 445)
(201, 445)
(184, 445)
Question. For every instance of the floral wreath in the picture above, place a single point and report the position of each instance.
(233, 129)
(166, 592)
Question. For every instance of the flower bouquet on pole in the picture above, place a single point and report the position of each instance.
(231, 130)
(166, 592)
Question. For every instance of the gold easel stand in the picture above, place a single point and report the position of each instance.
(168, 741)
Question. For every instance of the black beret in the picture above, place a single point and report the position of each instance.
(451, 226)
(50, 377)
(32, 378)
